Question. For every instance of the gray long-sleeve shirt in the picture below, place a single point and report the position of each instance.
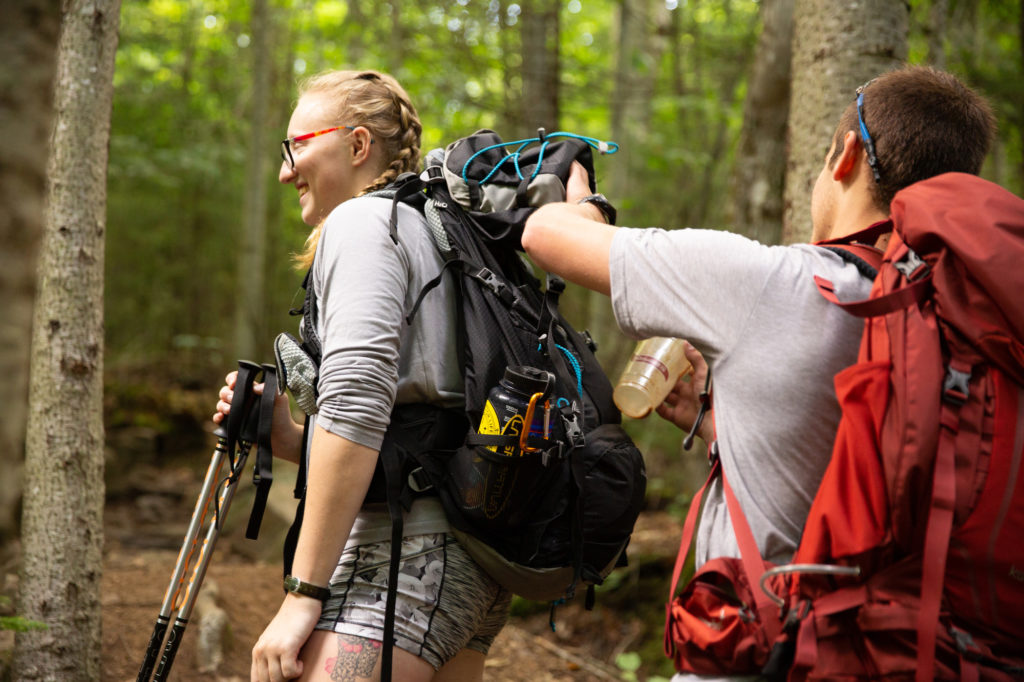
(365, 286)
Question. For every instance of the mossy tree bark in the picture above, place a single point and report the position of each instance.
(62, 529)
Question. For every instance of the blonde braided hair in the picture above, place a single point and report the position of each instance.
(377, 102)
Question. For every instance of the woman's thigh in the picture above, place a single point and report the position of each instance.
(445, 602)
(467, 666)
(333, 657)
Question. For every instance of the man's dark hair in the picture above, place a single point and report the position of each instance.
(923, 122)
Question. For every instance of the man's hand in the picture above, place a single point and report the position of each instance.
(683, 402)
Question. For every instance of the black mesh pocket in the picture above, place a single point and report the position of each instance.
(499, 493)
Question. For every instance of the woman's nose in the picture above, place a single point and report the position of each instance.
(286, 174)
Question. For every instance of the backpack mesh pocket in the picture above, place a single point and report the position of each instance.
(296, 371)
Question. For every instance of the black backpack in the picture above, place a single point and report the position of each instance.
(561, 513)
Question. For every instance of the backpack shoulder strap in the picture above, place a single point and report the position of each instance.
(867, 259)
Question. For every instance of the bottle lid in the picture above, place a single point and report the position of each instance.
(528, 380)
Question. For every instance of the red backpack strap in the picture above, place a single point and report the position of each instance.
(903, 258)
(943, 506)
(685, 546)
(753, 565)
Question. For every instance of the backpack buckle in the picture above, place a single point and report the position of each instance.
(911, 266)
(571, 423)
(955, 387)
(418, 481)
(589, 340)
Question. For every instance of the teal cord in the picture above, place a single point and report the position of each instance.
(604, 147)
(575, 368)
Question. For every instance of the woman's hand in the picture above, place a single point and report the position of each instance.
(226, 393)
(285, 434)
(276, 655)
(682, 404)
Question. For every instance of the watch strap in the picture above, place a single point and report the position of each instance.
(603, 205)
(296, 586)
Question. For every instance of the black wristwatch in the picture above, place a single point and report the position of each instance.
(296, 586)
(603, 205)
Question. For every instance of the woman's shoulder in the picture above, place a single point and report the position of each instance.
(361, 208)
(366, 220)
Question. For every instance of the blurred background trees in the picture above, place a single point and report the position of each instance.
(721, 108)
(696, 92)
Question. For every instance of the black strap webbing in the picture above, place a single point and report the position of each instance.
(393, 475)
(262, 475)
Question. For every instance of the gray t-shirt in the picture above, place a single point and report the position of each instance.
(365, 285)
(774, 345)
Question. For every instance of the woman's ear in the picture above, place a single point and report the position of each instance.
(361, 141)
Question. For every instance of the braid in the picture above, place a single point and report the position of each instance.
(405, 147)
(376, 101)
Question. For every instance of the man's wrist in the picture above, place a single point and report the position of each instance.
(603, 206)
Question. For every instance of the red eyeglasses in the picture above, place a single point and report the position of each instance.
(286, 145)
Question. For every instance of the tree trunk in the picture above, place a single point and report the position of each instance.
(396, 40)
(252, 251)
(541, 76)
(837, 46)
(760, 168)
(935, 31)
(62, 531)
(28, 50)
(641, 44)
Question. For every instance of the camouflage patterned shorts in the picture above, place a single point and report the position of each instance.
(446, 602)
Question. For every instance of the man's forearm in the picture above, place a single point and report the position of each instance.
(564, 239)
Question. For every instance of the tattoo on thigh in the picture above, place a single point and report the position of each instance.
(356, 658)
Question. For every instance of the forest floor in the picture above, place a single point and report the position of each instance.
(146, 518)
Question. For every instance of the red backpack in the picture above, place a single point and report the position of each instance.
(911, 563)
(924, 494)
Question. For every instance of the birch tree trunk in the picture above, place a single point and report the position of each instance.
(62, 529)
(252, 252)
(837, 46)
(28, 50)
(760, 168)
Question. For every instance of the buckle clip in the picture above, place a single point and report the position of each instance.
(911, 266)
(955, 387)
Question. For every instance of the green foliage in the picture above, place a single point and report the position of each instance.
(180, 126)
(628, 662)
(17, 623)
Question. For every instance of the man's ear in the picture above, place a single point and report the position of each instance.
(361, 139)
(847, 161)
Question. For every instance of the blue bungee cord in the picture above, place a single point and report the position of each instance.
(602, 147)
(576, 369)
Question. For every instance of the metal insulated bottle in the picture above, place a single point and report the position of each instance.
(508, 403)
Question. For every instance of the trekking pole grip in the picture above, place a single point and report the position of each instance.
(153, 650)
(231, 427)
(170, 651)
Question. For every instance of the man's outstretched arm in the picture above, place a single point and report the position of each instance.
(572, 240)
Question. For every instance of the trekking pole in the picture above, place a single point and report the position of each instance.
(233, 431)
